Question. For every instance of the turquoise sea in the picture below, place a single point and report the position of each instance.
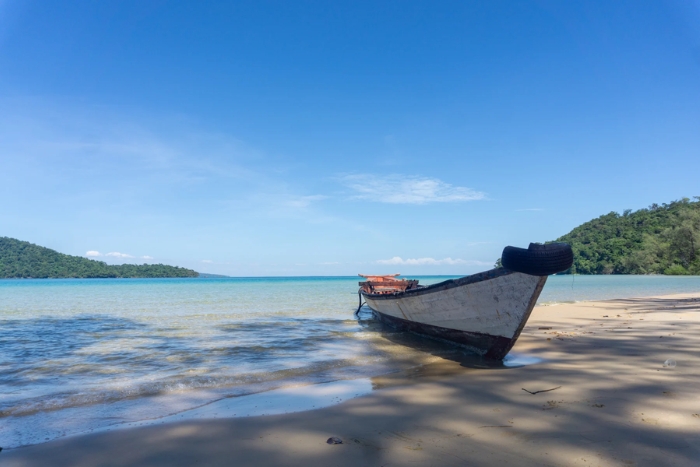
(81, 355)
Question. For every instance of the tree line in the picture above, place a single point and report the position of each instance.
(19, 259)
(660, 239)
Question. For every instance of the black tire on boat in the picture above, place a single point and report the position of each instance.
(538, 260)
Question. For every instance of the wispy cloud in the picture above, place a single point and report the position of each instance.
(116, 254)
(529, 209)
(105, 155)
(407, 189)
(397, 260)
(300, 202)
(208, 261)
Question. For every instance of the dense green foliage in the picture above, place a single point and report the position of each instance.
(20, 259)
(657, 240)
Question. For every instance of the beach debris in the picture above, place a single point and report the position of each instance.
(543, 390)
(334, 440)
(670, 363)
(545, 327)
(551, 405)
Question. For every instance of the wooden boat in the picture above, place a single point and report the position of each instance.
(484, 312)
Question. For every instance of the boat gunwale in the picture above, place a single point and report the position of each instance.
(444, 285)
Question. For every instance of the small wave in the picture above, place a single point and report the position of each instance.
(183, 383)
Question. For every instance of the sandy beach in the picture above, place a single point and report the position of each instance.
(600, 396)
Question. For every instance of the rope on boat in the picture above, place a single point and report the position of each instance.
(359, 295)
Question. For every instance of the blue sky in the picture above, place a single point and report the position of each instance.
(335, 138)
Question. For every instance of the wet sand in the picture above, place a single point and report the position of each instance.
(607, 399)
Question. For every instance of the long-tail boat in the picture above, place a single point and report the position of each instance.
(484, 312)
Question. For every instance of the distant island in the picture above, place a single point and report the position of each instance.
(20, 259)
(660, 239)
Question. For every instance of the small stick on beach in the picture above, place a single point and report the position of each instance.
(537, 392)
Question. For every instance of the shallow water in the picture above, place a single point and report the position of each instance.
(82, 355)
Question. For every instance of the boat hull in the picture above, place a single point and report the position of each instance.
(485, 312)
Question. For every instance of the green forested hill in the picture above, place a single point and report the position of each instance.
(20, 259)
(657, 240)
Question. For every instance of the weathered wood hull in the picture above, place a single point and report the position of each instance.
(485, 312)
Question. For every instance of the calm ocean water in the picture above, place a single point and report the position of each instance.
(82, 355)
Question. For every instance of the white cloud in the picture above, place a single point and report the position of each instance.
(93, 253)
(147, 257)
(116, 254)
(397, 260)
(405, 189)
(300, 202)
(207, 261)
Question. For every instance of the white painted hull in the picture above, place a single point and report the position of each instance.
(484, 312)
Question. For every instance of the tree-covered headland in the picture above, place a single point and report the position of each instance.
(20, 259)
(660, 239)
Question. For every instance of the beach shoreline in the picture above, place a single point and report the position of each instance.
(600, 395)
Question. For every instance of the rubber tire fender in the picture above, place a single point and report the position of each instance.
(537, 259)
